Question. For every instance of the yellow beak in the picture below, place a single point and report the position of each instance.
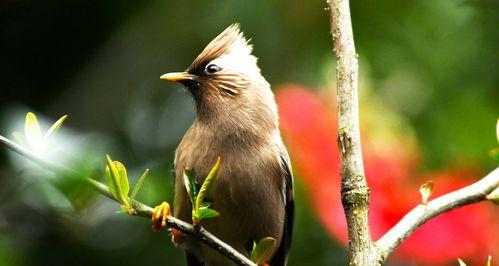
(177, 76)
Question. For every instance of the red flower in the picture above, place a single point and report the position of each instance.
(309, 126)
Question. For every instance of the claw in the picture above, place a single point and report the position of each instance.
(160, 216)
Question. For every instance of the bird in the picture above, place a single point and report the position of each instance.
(237, 121)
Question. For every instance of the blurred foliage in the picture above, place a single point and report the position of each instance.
(435, 62)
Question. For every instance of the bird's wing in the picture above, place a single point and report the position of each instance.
(281, 256)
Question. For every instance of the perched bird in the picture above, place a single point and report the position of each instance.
(236, 120)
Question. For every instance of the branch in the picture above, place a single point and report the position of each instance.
(354, 189)
(424, 212)
(139, 209)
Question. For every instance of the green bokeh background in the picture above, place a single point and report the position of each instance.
(434, 62)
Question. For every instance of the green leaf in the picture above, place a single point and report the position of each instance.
(205, 204)
(426, 190)
(207, 183)
(137, 186)
(494, 154)
(54, 128)
(123, 182)
(32, 131)
(191, 186)
(110, 183)
(263, 251)
(494, 196)
(205, 213)
(115, 179)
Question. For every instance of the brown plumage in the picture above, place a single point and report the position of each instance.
(236, 119)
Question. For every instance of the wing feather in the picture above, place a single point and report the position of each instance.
(281, 256)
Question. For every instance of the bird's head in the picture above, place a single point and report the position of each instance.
(227, 85)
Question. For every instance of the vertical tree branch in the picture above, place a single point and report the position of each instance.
(354, 189)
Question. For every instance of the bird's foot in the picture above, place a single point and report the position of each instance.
(160, 216)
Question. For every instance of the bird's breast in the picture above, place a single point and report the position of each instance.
(247, 193)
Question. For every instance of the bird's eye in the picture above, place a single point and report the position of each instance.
(212, 68)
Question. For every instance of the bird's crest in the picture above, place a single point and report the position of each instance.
(231, 40)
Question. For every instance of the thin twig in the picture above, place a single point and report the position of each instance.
(354, 189)
(139, 209)
(424, 212)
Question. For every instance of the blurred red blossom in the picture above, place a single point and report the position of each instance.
(309, 126)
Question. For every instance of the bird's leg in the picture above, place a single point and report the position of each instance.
(160, 216)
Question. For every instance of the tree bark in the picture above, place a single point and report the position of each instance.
(354, 189)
